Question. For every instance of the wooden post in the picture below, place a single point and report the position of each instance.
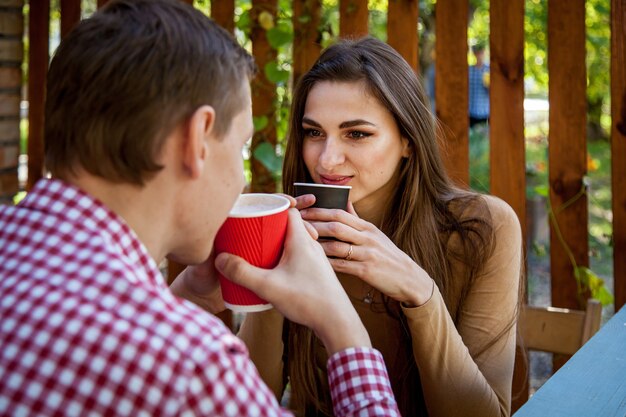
(11, 56)
(223, 12)
(70, 15)
(567, 150)
(618, 147)
(451, 94)
(506, 136)
(353, 18)
(39, 34)
(508, 166)
(307, 36)
(402, 29)
(263, 94)
(567, 144)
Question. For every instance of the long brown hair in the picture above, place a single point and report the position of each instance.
(426, 208)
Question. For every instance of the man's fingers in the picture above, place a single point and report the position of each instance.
(241, 272)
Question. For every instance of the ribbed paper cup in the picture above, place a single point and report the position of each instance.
(254, 230)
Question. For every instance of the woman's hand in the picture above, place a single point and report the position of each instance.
(366, 252)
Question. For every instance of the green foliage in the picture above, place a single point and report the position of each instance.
(276, 74)
(588, 279)
(19, 197)
(266, 154)
(479, 158)
(280, 36)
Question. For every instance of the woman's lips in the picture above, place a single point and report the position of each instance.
(335, 180)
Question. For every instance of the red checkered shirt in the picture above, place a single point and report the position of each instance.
(89, 327)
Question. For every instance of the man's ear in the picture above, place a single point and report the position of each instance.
(195, 144)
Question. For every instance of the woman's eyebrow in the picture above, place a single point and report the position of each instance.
(357, 122)
(343, 125)
(310, 122)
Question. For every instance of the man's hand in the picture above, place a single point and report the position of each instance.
(303, 287)
(199, 284)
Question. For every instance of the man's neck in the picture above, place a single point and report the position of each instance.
(143, 208)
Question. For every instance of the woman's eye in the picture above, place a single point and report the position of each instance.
(312, 133)
(357, 134)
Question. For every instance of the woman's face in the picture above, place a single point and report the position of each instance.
(351, 139)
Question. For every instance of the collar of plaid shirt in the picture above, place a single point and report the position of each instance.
(88, 325)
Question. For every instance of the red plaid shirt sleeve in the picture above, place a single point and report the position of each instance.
(359, 384)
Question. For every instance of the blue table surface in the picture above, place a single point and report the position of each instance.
(592, 382)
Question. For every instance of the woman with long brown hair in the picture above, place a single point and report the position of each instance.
(433, 270)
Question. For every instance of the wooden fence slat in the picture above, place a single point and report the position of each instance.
(10, 77)
(39, 34)
(567, 144)
(451, 94)
(11, 50)
(11, 3)
(263, 95)
(507, 150)
(223, 12)
(618, 147)
(402, 33)
(70, 15)
(353, 18)
(11, 23)
(506, 136)
(306, 36)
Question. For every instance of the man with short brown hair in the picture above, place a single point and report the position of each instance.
(147, 112)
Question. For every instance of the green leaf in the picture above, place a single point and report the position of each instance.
(266, 155)
(243, 23)
(275, 74)
(542, 190)
(279, 36)
(596, 286)
(19, 197)
(259, 122)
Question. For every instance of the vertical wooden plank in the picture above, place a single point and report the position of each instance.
(70, 15)
(402, 29)
(39, 34)
(618, 147)
(263, 95)
(567, 145)
(506, 137)
(223, 12)
(11, 56)
(353, 18)
(307, 36)
(507, 159)
(451, 94)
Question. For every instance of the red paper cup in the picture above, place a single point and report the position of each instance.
(254, 230)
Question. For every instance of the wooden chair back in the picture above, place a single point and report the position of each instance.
(554, 330)
(558, 330)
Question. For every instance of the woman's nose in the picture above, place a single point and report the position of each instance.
(332, 154)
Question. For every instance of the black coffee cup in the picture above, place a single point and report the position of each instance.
(326, 196)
